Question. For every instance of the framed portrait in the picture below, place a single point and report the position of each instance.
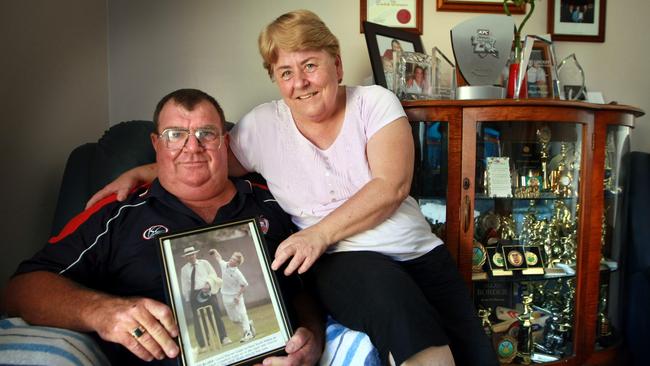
(541, 75)
(205, 271)
(478, 6)
(582, 21)
(413, 76)
(404, 14)
(383, 43)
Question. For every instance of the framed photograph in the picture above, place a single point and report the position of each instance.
(404, 14)
(582, 21)
(383, 43)
(205, 270)
(541, 74)
(413, 75)
(478, 6)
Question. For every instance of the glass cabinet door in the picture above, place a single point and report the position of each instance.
(526, 211)
(429, 184)
(609, 316)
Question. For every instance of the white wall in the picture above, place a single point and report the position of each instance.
(53, 97)
(156, 47)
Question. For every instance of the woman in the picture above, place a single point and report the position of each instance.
(416, 83)
(339, 160)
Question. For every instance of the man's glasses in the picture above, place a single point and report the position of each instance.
(176, 138)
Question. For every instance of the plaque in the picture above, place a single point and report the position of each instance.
(479, 256)
(482, 48)
(497, 262)
(507, 349)
(498, 177)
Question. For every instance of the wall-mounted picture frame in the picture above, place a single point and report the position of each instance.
(404, 14)
(383, 42)
(478, 6)
(204, 270)
(580, 21)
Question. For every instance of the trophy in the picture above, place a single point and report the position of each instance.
(484, 314)
(572, 79)
(482, 47)
(544, 137)
(525, 335)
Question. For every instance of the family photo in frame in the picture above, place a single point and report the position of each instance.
(224, 295)
(577, 20)
(383, 45)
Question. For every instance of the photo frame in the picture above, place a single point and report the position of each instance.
(478, 6)
(405, 14)
(541, 73)
(381, 41)
(224, 257)
(413, 76)
(585, 23)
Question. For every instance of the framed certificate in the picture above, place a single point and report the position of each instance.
(403, 14)
(224, 295)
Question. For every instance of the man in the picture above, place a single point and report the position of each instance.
(232, 294)
(200, 285)
(102, 275)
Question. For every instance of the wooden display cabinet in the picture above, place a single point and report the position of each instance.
(527, 196)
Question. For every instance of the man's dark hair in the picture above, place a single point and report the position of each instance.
(188, 99)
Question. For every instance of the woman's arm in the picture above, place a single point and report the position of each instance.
(390, 155)
(146, 174)
(126, 182)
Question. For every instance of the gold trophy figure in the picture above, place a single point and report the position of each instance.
(525, 336)
(544, 137)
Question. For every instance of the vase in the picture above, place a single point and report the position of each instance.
(513, 77)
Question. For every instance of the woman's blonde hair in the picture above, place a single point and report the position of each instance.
(299, 30)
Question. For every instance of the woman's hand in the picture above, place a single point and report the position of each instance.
(125, 183)
(304, 246)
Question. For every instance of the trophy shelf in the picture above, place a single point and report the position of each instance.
(526, 194)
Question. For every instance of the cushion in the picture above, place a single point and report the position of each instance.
(22, 344)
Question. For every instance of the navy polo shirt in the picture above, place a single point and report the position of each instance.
(115, 249)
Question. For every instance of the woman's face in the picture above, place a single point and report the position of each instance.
(308, 82)
(419, 75)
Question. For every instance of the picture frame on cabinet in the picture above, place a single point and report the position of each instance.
(579, 23)
(383, 42)
(405, 15)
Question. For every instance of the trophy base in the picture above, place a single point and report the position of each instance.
(469, 92)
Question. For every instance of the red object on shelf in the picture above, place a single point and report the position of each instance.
(512, 77)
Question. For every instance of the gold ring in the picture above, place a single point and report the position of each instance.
(138, 332)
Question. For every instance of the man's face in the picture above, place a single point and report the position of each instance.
(191, 258)
(308, 82)
(193, 171)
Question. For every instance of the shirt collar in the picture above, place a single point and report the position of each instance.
(229, 211)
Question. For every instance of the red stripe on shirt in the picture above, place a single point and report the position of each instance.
(76, 221)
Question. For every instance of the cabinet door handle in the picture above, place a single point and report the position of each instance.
(466, 209)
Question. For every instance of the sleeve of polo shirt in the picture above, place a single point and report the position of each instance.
(80, 256)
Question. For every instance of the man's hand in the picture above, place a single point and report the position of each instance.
(304, 246)
(214, 253)
(115, 319)
(303, 349)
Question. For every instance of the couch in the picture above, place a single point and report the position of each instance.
(89, 167)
